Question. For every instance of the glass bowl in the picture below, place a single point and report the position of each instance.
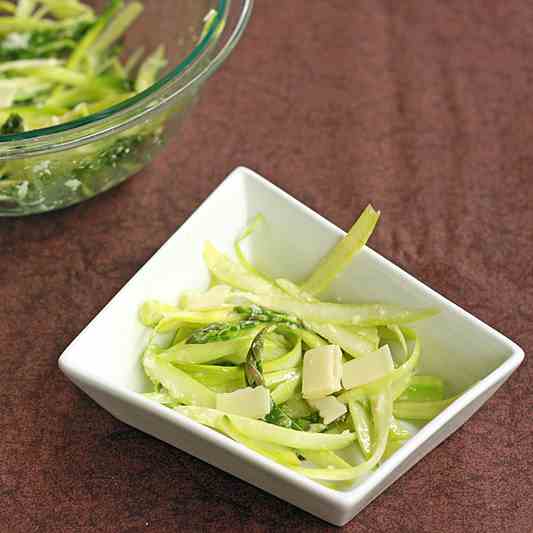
(50, 168)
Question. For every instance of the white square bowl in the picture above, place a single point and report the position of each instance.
(104, 360)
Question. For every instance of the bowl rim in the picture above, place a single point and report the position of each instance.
(163, 91)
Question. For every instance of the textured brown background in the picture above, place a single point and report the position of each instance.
(423, 107)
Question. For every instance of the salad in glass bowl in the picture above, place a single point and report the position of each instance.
(90, 93)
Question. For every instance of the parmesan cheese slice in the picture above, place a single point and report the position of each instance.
(322, 371)
(250, 402)
(329, 408)
(367, 368)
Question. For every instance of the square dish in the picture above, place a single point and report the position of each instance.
(104, 360)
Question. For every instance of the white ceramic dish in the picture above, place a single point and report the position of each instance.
(104, 359)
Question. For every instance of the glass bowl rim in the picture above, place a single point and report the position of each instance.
(171, 80)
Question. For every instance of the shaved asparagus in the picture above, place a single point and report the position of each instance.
(343, 314)
(259, 219)
(269, 433)
(363, 429)
(291, 360)
(349, 341)
(420, 410)
(278, 453)
(249, 342)
(382, 413)
(423, 388)
(341, 255)
(205, 353)
(182, 387)
(289, 437)
(286, 390)
(234, 274)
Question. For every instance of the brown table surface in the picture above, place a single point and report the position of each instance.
(423, 108)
